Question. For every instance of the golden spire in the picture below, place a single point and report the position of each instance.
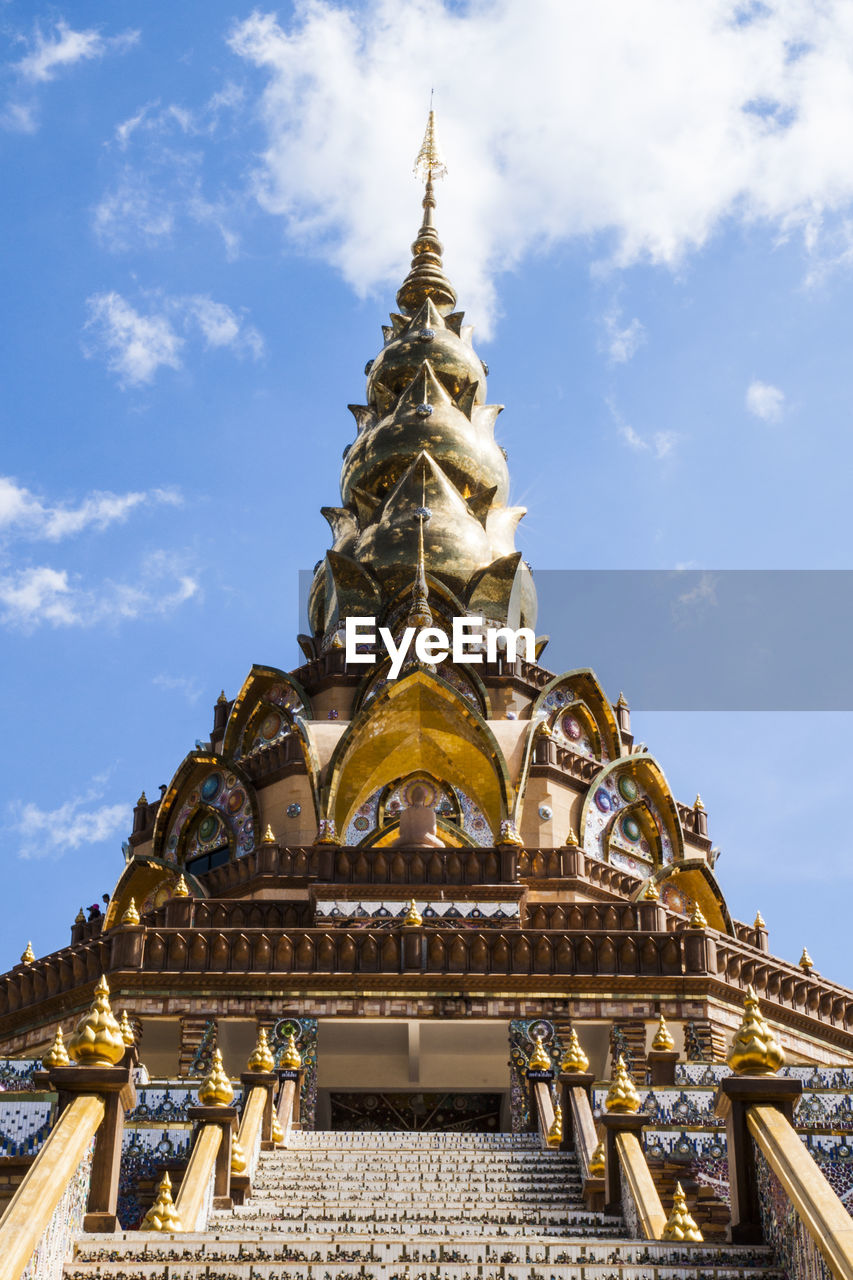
(679, 1225)
(126, 1029)
(268, 836)
(420, 614)
(663, 1041)
(261, 1058)
(758, 922)
(238, 1157)
(575, 1060)
(540, 1059)
(806, 963)
(430, 162)
(57, 1054)
(162, 1216)
(697, 919)
(181, 889)
(595, 1168)
(97, 1040)
(131, 915)
(276, 1131)
(754, 1050)
(28, 955)
(291, 1059)
(216, 1090)
(426, 278)
(651, 893)
(555, 1133)
(622, 1095)
(413, 918)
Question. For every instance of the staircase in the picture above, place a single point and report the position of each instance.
(412, 1206)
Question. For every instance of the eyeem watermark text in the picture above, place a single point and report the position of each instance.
(468, 641)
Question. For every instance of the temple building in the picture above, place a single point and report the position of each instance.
(438, 896)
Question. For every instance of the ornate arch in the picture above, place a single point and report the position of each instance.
(206, 782)
(690, 884)
(618, 788)
(260, 689)
(581, 686)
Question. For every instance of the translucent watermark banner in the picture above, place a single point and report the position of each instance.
(701, 640)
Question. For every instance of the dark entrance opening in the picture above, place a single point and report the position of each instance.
(417, 1111)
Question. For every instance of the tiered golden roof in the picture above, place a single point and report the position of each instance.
(575, 1061)
(679, 1225)
(97, 1040)
(162, 1216)
(261, 1058)
(622, 1096)
(216, 1089)
(663, 1039)
(754, 1050)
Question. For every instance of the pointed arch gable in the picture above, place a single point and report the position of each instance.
(695, 883)
(585, 688)
(145, 879)
(419, 722)
(204, 779)
(259, 682)
(605, 797)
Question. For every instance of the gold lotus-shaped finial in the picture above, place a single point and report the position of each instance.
(162, 1216)
(754, 1050)
(269, 835)
(651, 893)
(126, 1029)
(291, 1058)
(622, 1096)
(80, 917)
(595, 1169)
(413, 917)
(572, 839)
(575, 1060)
(758, 922)
(215, 1090)
(131, 915)
(57, 1054)
(181, 889)
(555, 1133)
(806, 962)
(697, 919)
(276, 1131)
(261, 1058)
(679, 1225)
(238, 1157)
(697, 803)
(28, 955)
(663, 1040)
(540, 1059)
(97, 1040)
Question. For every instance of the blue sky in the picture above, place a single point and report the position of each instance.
(206, 210)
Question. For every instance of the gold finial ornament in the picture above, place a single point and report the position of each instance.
(162, 1216)
(57, 1054)
(555, 1133)
(97, 1040)
(575, 1061)
(758, 922)
(572, 839)
(595, 1168)
(216, 1090)
(621, 701)
(276, 1131)
(268, 836)
(238, 1157)
(413, 918)
(126, 1029)
(679, 1225)
(291, 1059)
(430, 162)
(28, 955)
(622, 1097)
(222, 697)
(181, 889)
(540, 1059)
(697, 803)
(754, 1050)
(143, 799)
(651, 893)
(261, 1058)
(131, 915)
(697, 919)
(806, 962)
(80, 917)
(663, 1041)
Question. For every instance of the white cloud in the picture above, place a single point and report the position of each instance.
(622, 340)
(185, 685)
(24, 514)
(80, 821)
(137, 345)
(660, 444)
(65, 47)
(644, 127)
(765, 401)
(44, 596)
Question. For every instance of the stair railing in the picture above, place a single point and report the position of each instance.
(579, 1131)
(629, 1187)
(206, 1182)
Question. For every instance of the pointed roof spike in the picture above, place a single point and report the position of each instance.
(420, 614)
(429, 163)
(426, 278)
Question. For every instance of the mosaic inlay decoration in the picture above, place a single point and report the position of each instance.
(522, 1033)
(304, 1031)
(615, 826)
(226, 815)
(450, 803)
(279, 704)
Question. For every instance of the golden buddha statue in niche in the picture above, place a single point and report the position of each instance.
(418, 827)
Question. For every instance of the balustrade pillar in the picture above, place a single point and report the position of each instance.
(735, 1096)
(569, 1081)
(226, 1120)
(615, 1123)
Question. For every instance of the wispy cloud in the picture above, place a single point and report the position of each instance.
(48, 833)
(187, 686)
(765, 401)
(48, 54)
(45, 596)
(660, 444)
(622, 340)
(137, 345)
(24, 514)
